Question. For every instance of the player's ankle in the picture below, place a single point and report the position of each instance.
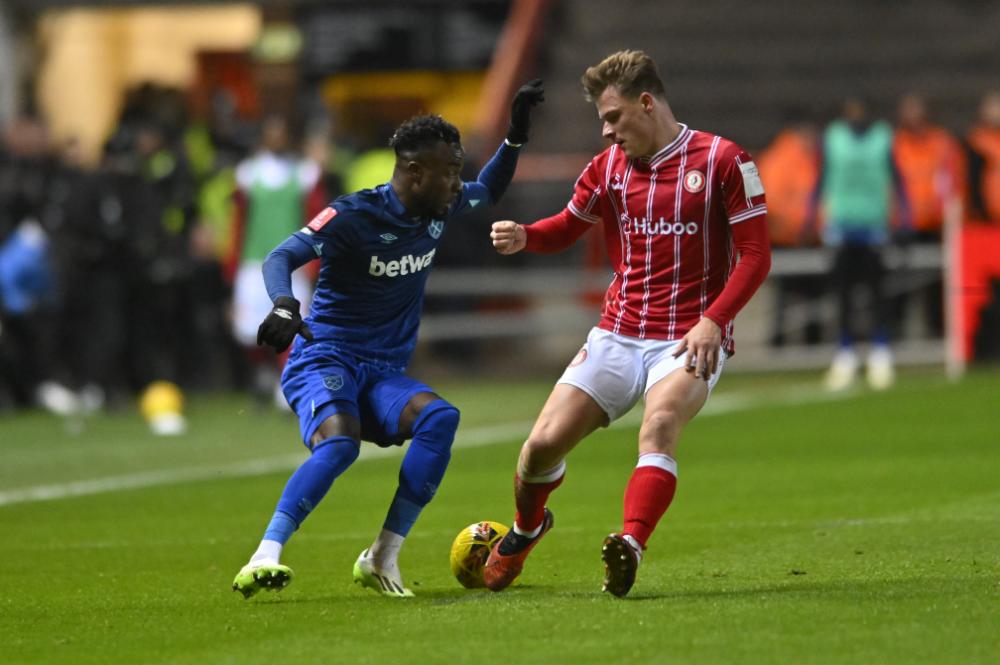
(636, 546)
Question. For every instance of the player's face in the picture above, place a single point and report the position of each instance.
(628, 122)
(439, 180)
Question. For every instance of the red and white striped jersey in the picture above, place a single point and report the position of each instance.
(666, 228)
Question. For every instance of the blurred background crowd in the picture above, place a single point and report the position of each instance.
(152, 154)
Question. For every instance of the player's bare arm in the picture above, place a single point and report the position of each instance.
(508, 237)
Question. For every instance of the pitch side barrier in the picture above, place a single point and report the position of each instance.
(549, 301)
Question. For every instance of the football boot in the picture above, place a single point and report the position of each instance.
(507, 557)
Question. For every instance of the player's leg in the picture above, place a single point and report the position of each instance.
(324, 398)
(403, 408)
(600, 384)
(880, 372)
(843, 278)
(674, 397)
(568, 416)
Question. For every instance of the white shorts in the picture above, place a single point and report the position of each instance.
(616, 370)
(251, 304)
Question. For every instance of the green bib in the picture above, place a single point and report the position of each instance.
(857, 184)
(272, 216)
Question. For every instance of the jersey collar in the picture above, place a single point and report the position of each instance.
(396, 208)
(669, 150)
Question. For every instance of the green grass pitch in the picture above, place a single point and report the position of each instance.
(863, 529)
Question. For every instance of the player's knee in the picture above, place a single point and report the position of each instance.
(437, 423)
(662, 426)
(546, 439)
(337, 425)
(337, 451)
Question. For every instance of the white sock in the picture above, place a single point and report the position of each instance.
(385, 550)
(530, 534)
(635, 546)
(269, 551)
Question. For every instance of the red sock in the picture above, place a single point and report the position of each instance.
(530, 498)
(647, 496)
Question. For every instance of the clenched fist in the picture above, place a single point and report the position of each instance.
(508, 237)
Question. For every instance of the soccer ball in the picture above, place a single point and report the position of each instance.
(471, 549)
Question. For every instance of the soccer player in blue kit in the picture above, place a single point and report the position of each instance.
(345, 375)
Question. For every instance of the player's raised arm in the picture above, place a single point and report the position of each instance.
(555, 233)
(493, 179)
(284, 321)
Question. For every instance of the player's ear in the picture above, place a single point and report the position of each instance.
(415, 170)
(646, 100)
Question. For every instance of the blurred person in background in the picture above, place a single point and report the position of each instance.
(983, 148)
(74, 383)
(160, 316)
(27, 295)
(930, 165)
(273, 189)
(677, 207)
(345, 376)
(856, 188)
(789, 169)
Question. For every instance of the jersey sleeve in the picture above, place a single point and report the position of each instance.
(588, 192)
(490, 184)
(743, 192)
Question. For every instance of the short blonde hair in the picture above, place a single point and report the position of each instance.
(631, 72)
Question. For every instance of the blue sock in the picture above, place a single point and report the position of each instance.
(281, 527)
(423, 466)
(309, 484)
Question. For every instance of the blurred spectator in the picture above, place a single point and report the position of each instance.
(789, 169)
(857, 179)
(26, 294)
(930, 164)
(273, 190)
(984, 161)
(929, 161)
(161, 319)
(25, 281)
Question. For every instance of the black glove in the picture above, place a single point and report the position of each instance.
(282, 324)
(528, 95)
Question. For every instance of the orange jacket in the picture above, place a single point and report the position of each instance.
(929, 163)
(986, 142)
(788, 168)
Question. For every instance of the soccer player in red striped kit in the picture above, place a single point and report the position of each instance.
(684, 223)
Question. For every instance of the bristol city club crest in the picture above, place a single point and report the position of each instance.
(694, 181)
(435, 228)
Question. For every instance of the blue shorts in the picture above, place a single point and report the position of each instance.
(320, 380)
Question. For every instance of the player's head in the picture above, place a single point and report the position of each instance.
(429, 158)
(855, 110)
(274, 134)
(912, 111)
(989, 109)
(631, 101)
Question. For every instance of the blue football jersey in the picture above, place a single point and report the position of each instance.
(375, 261)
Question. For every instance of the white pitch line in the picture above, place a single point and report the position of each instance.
(468, 438)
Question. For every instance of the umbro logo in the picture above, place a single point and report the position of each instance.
(388, 238)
